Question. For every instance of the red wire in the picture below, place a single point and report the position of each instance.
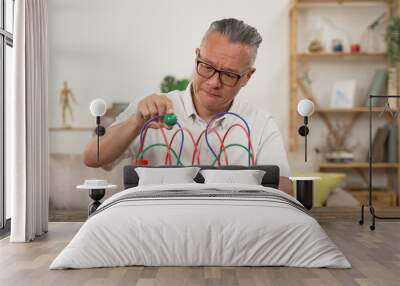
(221, 146)
(165, 140)
(196, 143)
(198, 151)
(168, 147)
(142, 142)
(248, 138)
(173, 137)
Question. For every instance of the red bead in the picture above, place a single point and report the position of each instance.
(141, 162)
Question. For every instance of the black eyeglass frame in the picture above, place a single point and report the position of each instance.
(239, 76)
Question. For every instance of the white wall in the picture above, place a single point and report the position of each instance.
(118, 50)
(122, 49)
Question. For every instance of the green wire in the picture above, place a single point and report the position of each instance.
(226, 147)
(141, 154)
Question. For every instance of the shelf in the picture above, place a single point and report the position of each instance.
(306, 3)
(344, 55)
(379, 198)
(343, 1)
(61, 129)
(358, 165)
(351, 110)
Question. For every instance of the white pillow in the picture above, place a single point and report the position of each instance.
(248, 177)
(164, 176)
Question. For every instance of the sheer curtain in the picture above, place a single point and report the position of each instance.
(27, 123)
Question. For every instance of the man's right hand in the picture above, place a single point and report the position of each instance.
(119, 136)
(153, 105)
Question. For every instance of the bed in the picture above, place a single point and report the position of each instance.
(198, 224)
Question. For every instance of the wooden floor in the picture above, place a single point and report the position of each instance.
(374, 255)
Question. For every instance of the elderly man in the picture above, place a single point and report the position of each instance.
(223, 65)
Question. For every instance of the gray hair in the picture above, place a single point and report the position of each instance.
(237, 31)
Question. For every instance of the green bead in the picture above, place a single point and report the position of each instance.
(170, 119)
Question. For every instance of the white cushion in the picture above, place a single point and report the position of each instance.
(248, 177)
(163, 176)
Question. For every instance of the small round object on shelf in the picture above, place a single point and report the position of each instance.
(170, 119)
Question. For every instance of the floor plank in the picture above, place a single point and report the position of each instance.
(375, 257)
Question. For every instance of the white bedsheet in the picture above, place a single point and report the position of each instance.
(200, 231)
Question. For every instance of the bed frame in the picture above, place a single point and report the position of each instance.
(131, 179)
(270, 179)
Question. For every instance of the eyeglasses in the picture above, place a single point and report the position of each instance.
(208, 71)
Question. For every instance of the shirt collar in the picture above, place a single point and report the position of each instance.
(191, 111)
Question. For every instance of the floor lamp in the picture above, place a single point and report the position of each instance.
(369, 205)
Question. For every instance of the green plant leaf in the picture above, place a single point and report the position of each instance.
(170, 83)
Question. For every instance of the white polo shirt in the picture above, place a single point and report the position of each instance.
(267, 140)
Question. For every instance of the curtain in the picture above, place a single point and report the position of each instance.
(28, 123)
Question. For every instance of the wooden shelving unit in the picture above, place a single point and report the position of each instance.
(350, 110)
(328, 115)
(343, 1)
(358, 165)
(334, 56)
(297, 57)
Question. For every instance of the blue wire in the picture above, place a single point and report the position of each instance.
(154, 118)
(145, 125)
(216, 117)
(182, 139)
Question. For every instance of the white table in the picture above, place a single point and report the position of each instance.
(96, 192)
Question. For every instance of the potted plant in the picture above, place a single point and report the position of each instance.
(392, 38)
(170, 83)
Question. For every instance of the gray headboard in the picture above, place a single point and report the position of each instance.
(270, 179)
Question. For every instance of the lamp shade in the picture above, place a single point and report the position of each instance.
(98, 107)
(305, 107)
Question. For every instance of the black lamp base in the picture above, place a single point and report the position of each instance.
(96, 195)
(304, 193)
(372, 211)
(374, 216)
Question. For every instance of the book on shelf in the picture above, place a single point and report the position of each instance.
(378, 86)
(378, 145)
(391, 155)
(393, 87)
